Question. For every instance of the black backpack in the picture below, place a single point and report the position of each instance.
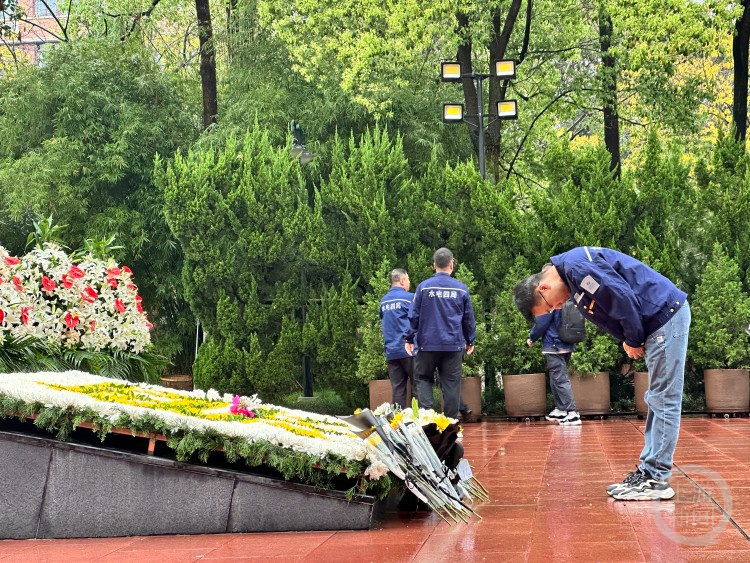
(572, 326)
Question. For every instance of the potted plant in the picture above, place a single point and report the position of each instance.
(521, 366)
(718, 342)
(590, 365)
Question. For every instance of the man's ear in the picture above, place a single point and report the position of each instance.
(543, 286)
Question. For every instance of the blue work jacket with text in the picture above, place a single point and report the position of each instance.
(442, 315)
(618, 293)
(394, 309)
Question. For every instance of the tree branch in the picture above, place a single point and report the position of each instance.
(11, 50)
(63, 28)
(138, 17)
(526, 34)
(44, 29)
(526, 136)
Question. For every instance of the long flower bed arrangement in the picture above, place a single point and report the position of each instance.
(310, 448)
(307, 447)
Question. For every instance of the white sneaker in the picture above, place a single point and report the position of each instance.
(556, 415)
(572, 419)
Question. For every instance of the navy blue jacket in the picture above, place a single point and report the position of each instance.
(394, 308)
(618, 293)
(546, 328)
(442, 314)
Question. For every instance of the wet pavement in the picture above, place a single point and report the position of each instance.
(548, 503)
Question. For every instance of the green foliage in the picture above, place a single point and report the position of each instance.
(371, 363)
(724, 204)
(330, 338)
(325, 401)
(665, 208)
(98, 248)
(79, 138)
(584, 203)
(378, 68)
(599, 352)
(474, 364)
(28, 354)
(45, 231)
(452, 206)
(693, 402)
(359, 205)
(240, 213)
(720, 313)
(508, 332)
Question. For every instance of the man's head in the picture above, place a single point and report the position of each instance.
(541, 293)
(400, 278)
(442, 260)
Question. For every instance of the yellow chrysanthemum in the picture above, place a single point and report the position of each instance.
(397, 418)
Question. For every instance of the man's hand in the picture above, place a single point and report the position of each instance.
(409, 346)
(634, 353)
(469, 349)
(529, 342)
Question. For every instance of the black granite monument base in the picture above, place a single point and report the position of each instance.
(53, 489)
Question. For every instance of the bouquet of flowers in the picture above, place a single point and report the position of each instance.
(93, 305)
(400, 441)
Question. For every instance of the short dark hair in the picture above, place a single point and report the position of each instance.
(397, 275)
(442, 257)
(525, 295)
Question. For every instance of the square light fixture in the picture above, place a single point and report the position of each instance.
(506, 109)
(453, 113)
(505, 69)
(450, 71)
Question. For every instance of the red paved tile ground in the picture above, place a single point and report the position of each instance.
(547, 504)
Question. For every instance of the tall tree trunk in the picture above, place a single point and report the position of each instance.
(231, 26)
(467, 82)
(208, 63)
(498, 48)
(608, 73)
(740, 44)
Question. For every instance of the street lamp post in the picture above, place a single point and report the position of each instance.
(450, 71)
(299, 151)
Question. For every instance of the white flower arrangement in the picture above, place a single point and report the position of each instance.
(93, 305)
(287, 428)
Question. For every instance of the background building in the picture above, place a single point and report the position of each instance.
(41, 24)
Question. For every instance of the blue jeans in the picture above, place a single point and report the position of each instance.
(559, 381)
(666, 349)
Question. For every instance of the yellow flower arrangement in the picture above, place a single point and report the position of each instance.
(442, 421)
(217, 409)
(396, 420)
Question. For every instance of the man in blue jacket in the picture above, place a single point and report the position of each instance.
(651, 316)
(444, 318)
(557, 353)
(394, 308)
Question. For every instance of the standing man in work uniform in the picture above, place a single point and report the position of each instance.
(394, 308)
(651, 316)
(443, 317)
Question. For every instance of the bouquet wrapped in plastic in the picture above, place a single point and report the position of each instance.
(423, 449)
